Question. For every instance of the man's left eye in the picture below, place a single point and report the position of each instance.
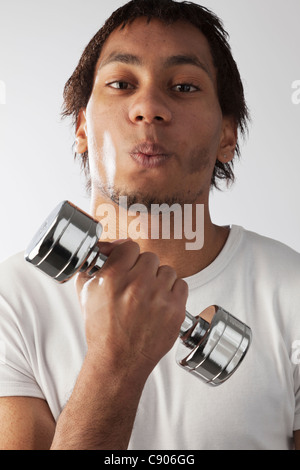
(185, 88)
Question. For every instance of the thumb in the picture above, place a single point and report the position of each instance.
(107, 247)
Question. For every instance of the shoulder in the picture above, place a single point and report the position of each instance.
(269, 249)
(14, 265)
(270, 258)
(22, 283)
(16, 273)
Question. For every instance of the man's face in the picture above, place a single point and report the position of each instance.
(153, 126)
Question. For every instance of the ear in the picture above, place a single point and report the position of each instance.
(228, 140)
(81, 144)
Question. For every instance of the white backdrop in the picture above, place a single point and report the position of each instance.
(40, 45)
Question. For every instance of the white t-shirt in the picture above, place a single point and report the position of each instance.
(42, 346)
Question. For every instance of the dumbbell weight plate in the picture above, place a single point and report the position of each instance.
(65, 243)
(219, 352)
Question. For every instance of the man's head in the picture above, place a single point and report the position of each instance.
(228, 86)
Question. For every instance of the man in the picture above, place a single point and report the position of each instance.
(158, 103)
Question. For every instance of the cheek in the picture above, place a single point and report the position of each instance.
(101, 149)
(202, 140)
(95, 120)
(199, 160)
(103, 120)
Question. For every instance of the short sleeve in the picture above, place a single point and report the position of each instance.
(16, 376)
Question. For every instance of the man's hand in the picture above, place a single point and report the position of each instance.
(133, 307)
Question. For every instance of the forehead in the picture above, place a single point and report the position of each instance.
(156, 40)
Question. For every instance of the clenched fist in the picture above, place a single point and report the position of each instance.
(133, 307)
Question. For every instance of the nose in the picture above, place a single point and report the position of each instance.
(149, 106)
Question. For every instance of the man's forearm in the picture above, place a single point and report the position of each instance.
(101, 410)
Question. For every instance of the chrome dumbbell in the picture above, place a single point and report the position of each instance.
(212, 344)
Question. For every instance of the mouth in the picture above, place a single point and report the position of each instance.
(149, 155)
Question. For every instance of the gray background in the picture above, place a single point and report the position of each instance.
(40, 45)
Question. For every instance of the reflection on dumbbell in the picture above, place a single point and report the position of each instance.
(212, 344)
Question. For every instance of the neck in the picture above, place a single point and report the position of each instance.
(185, 239)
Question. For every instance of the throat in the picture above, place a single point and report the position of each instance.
(188, 262)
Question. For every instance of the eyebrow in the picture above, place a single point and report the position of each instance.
(183, 59)
(180, 59)
(124, 58)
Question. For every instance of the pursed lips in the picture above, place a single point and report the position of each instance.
(149, 154)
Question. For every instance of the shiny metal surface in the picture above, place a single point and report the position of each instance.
(212, 344)
(192, 330)
(65, 243)
(220, 349)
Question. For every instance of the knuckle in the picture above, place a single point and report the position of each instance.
(182, 283)
(81, 279)
(109, 271)
(122, 249)
(130, 245)
(182, 288)
(133, 294)
(149, 257)
(168, 270)
(122, 257)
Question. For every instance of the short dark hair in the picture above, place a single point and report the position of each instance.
(231, 97)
